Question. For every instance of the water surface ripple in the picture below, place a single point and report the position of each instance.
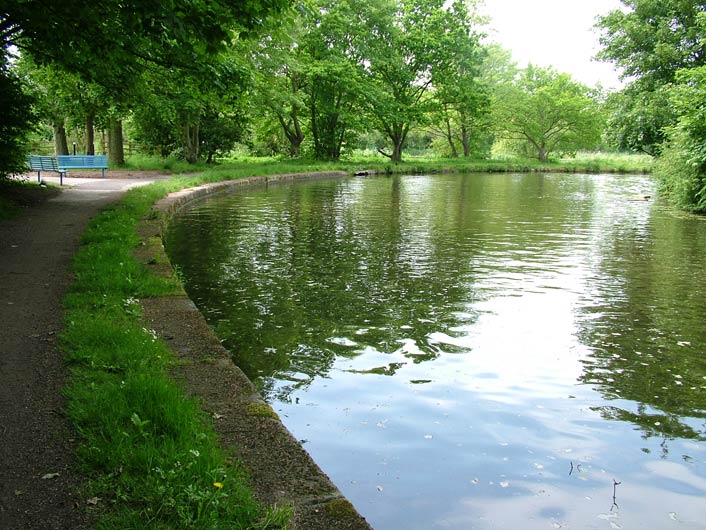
(476, 351)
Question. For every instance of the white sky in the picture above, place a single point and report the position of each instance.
(556, 33)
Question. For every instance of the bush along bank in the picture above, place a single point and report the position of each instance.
(152, 454)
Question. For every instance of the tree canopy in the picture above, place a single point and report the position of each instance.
(546, 112)
(650, 40)
(191, 78)
(114, 42)
(108, 40)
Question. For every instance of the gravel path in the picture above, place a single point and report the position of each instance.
(37, 474)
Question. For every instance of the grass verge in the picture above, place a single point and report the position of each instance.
(150, 453)
(581, 163)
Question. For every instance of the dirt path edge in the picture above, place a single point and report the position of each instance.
(283, 473)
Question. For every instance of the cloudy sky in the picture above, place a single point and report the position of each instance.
(556, 33)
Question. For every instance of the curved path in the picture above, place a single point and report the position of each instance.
(36, 443)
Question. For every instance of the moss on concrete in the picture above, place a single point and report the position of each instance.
(259, 409)
(340, 508)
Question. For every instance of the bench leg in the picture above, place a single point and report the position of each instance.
(103, 172)
(61, 177)
(39, 177)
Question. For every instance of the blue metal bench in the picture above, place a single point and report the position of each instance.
(83, 162)
(41, 163)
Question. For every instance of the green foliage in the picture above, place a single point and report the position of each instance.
(636, 120)
(682, 168)
(409, 48)
(118, 47)
(62, 98)
(117, 39)
(462, 99)
(660, 43)
(330, 64)
(17, 120)
(545, 112)
(680, 179)
(650, 40)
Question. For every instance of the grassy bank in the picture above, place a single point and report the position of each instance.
(582, 163)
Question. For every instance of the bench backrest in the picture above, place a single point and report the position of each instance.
(79, 161)
(40, 162)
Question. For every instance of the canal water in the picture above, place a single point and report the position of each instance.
(471, 351)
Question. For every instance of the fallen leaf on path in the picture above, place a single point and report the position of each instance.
(50, 476)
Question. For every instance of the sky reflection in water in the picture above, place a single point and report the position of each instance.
(479, 351)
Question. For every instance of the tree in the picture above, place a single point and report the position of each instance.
(189, 116)
(636, 119)
(547, 112)
(280, 83)
(462, 99)
(404, 44)
(16, 122)
(661, 44)
(650, 41)
(112, 42)
(63, 99)
(309, 77)
(330, 63)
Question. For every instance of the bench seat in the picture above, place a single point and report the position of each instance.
(83, 162)
(41, 163)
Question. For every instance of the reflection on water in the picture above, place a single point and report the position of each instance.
(515, 351)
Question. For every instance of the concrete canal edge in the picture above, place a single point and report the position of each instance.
(282, 472)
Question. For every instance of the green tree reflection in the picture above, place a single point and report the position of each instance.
(295, 277)
(645, 325)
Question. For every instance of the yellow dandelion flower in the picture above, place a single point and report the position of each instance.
(218, 485)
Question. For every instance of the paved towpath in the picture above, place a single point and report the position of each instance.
(36, 442)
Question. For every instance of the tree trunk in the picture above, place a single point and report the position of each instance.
(90, 135)
(465, 141)
(191, 143)
(61, 146)
(542, 153)
(116, 153)
(450, 139)
(293, 133)
(295, 147)
(397, 153)
(397, 136)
